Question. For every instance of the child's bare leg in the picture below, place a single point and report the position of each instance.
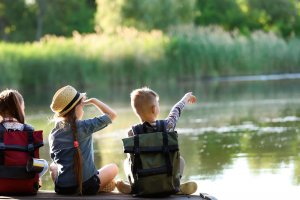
(122, 186)
(53, 171)
(188, 187)
(181, 166)
(127, 167)
(107, 175)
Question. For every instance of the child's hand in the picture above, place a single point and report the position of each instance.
(101, 106)
(88, 101)
(189, 98)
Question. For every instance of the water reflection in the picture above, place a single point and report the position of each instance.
(238, 131)
(270, 144)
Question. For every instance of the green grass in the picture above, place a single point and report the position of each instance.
(143, 58)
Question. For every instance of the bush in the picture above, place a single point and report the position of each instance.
(134, 58)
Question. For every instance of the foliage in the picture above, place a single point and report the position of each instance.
(226, 13)
(108, 15)
(63, 17)
(157, 14)
(140, 58)
(11, 27)
(214, 52)
(280, 16)
(276, 15)
(143, 14)
(43, 17)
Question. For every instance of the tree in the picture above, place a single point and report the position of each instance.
(143, 14)
(40, 18)
(225, 13)
(108, 16)
(62, 17)
(16, 21)
(280, 16)
(21, 20)
(276, 15)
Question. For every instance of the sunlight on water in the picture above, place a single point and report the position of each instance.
(284, 119)
(243, 145)
(230, 129)
(239, 183)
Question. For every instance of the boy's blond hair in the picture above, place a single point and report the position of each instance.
(142, 100)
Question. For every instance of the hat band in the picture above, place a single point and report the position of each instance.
(71, 103)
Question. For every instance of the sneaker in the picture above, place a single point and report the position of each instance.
(189, 187)
(123, 187)
(109, 187)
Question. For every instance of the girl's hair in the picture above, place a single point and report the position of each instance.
(10, 105)
(71, 118)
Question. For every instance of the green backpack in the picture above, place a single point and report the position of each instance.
(154, 160)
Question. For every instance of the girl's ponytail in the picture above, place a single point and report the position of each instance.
(77, 158)
(71, 118)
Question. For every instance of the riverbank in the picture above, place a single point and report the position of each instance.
(136, 58)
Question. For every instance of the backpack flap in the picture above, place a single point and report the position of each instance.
(151, 142)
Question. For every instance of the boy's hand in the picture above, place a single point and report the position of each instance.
(189, 98)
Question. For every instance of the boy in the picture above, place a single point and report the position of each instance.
(145, 105)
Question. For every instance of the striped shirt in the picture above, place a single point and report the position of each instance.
(170, 121)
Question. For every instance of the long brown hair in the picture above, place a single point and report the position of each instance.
(71, 118)
(10, 105)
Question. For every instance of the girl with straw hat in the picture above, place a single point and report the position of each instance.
(73, 169)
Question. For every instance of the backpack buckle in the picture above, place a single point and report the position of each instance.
(137, 150)
(2, 146)
(30, 147)
(166, 149)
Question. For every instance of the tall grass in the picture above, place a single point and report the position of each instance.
(206, 52)
(142, 58)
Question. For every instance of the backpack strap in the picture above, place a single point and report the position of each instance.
(138, 129)
(15, 172)
(141, 128)
(2, 146)
(161, 127)
(30, 143)
(137, 162)
(30, 130)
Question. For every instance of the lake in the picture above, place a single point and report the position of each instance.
(240, 140)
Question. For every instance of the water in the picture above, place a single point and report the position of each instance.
(240, 141)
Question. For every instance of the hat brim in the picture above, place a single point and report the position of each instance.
(61, 114)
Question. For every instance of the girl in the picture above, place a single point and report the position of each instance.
(12, 112)
(73, 169)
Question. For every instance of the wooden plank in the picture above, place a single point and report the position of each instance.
(44, 194)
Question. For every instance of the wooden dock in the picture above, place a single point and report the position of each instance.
(44, 194)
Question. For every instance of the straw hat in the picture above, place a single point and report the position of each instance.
(64, 100)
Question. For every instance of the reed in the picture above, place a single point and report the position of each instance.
(138, 58)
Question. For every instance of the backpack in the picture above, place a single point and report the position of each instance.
(17, 149)
(154, 160)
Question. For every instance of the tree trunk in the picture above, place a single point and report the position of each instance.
(39, 18)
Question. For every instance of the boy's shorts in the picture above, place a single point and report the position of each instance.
(89, 187)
